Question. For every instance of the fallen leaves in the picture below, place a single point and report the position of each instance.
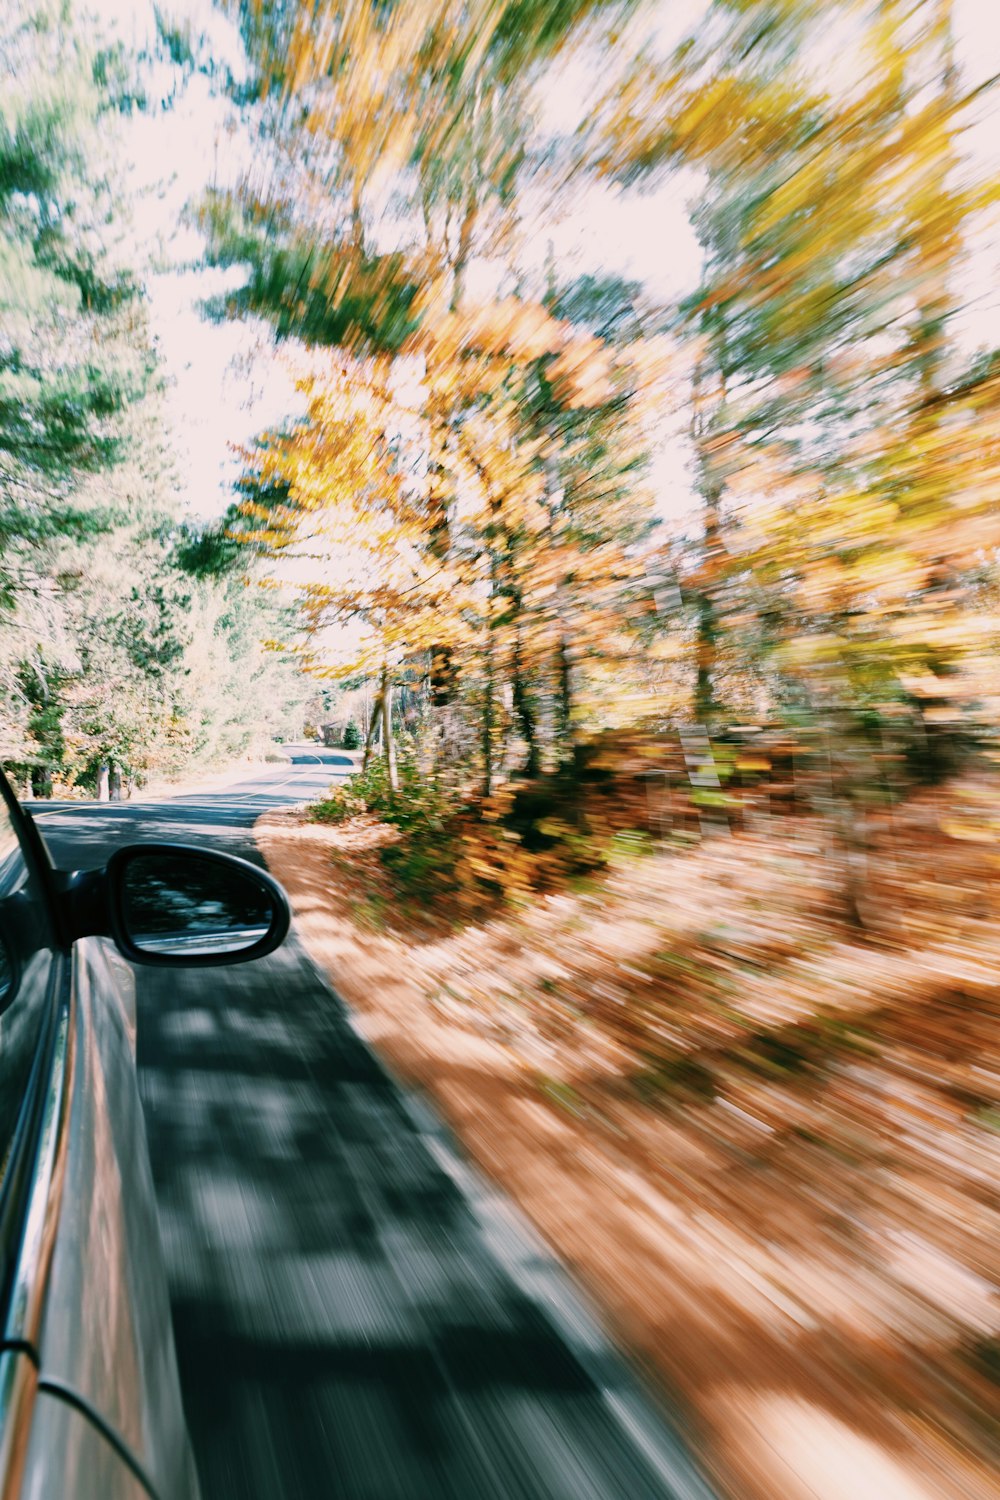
(768, 1146)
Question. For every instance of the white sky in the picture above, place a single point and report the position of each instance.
(222, 391)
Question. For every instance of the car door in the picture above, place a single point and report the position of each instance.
(89, 1394)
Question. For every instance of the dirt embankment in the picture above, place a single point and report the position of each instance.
(769, 1148)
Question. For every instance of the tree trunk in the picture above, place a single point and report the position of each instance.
(442, 676)
(41, 782)
(490, 669)
(114, 783)
(939, 246)
(851, 774)
(565, 701)
(705, 659)
(854, 843)
(488, 720)
(704, 425)
(357, 219)
(370, 735)
(388, 740)
(103, 791)
(470, 211)
(442, 670)
(525, 713)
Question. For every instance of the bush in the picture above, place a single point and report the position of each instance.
(423, 860)
(346, 800)
(368, 791)
(467, 854)
(352, 736)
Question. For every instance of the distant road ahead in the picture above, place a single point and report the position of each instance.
(83, 834)
(356, 1316)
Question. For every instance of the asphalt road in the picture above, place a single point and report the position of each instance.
(357, 1315)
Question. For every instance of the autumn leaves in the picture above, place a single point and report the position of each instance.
(483, 479)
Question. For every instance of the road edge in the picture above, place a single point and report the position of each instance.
(538, 1273)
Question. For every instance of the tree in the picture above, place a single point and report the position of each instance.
(113, 662)
(70, 360)
(836, 437)
(75, 358)
(824, 220)
(415, 112)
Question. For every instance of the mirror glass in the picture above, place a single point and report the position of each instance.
(186, 907)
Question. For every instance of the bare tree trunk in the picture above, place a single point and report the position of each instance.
(706, 406)
(443, 673)
(705, 658)
(470, 211)
(103, 790)
(365, 708)
(114, 783)
(565, 701)
(370, 735)
(939, 247)
(357, 219)
(525, 712)
(388, 741)
(442, 667)
(41, 782)
(707, 633)
(490, 693)
(851, 773)
(488, 719)
(854, 842)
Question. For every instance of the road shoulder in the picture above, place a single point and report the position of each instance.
(526, 1202)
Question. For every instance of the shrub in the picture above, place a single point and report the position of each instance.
(464, 853)
(423, 860)
(352, 736)
(346, 799)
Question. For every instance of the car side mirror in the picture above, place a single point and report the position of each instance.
(177, 905)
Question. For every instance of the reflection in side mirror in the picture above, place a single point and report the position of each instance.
(181, 905)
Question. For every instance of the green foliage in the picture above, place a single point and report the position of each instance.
(127, 644)
(526, 31)
(351, 738)
(422, 861)
(416, 803)
(227, 547)
(340, 297)
(209, 552)
(610, 307)
(74, 354)
(348, 799)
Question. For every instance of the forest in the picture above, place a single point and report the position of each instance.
(463, 510)
(118, 662)
(660, 613)
(466, 509)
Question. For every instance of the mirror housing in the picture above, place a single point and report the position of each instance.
(190, 932)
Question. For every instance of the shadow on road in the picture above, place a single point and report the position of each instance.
(344, 1326)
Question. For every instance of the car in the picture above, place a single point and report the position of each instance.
(90, 1400)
